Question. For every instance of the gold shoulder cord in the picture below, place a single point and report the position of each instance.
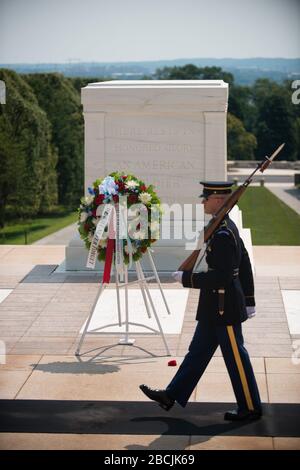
(232, 235)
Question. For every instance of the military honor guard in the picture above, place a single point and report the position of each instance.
(226, 301)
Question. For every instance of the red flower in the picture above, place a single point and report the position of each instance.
(99, 199)
(86, 227)
(124, 177)
(121, 185)
(132, 198)
(143, 249)
(172, 363)
(94, 212)
(143, 187)
(116, 198)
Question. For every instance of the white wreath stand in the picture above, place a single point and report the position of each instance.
(149, 304)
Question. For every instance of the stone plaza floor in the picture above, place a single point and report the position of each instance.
(40, 321)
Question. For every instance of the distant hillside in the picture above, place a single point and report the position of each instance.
(245, 71)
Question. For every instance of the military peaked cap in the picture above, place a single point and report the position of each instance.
(216, 187)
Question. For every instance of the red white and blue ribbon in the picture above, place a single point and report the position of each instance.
(103, 222)
(110, 247)
(113, 217)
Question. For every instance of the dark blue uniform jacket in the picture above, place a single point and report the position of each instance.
(229, 268)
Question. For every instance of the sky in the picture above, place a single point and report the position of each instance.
(39, 31)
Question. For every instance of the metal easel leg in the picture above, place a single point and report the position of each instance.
(126, 340)
(158, 281)
(153, 307)
(77, 353)
(118, 296)
(141, 284)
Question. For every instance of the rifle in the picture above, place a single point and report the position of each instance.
(229, 203)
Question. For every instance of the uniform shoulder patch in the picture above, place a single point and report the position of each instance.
(222, 232)
(226, 231)
(223, 228)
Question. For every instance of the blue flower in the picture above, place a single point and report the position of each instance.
(108, 186)
(91, 191)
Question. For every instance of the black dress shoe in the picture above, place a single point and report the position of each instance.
(160, 396)
(242, 415)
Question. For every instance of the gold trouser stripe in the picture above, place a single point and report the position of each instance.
(240, 367)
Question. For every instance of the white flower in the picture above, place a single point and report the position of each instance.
(99, 211)
(154, 226)
(140, 235)
(155, 230)
(88, 199)
(134, 250)
(83, 216)
(145, 198)
(155, 235)
(108, 186)
(103, 242)
(131, 184)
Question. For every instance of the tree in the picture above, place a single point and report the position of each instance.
(192, 72)
(275, 121)
(80, 82)
(28, 178)
(241, 144)
(13, 170)
(241, 105)
(61, 102)
(295, 109)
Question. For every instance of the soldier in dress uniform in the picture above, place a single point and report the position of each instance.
(226, 300)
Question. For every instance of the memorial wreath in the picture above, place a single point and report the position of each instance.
(108, 192)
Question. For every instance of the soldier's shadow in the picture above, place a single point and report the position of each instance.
(183, 430)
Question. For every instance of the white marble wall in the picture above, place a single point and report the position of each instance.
(169, 133)
(172, 134)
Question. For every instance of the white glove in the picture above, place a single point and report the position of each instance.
(178, 276)
(251, 312)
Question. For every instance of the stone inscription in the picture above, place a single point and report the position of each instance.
(150, 147)
(149, 131)
(152, 165)
(166, 151)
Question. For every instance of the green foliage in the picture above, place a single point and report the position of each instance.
(192, 72)
(241, 105)
(27, 157)
(81, 82)
(61, 103)
(41, 133)
(261, 117)
(275, 122)
(36, 228)
(241, 144)
(271, 221)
